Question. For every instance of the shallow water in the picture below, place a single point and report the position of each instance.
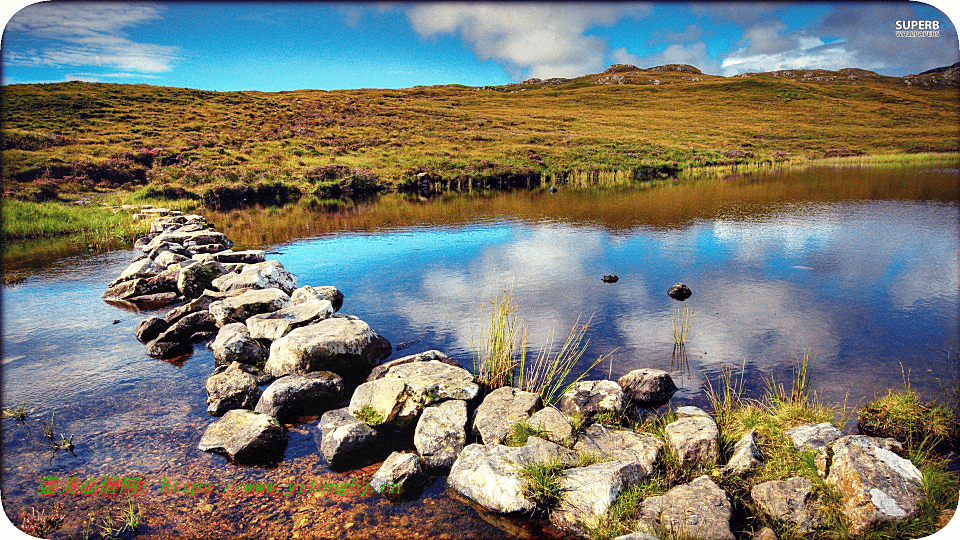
(858, 266)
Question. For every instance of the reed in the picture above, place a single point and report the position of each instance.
(681, 327)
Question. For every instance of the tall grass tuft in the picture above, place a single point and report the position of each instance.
(681, 327)
(546, 374)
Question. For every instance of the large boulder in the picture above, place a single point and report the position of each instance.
(293, 396)
(441, 433)
(194, 279)
(199, 303)
(381, 370)
(344, 345)
(789, 501)
(231, 387)
(648, 386)
(555, 425)
(265, 275)
(699, 509)
(875, 484)
(276, 324)
(746, 454)
(494, 419)
(588, 398)
(187, 326)
(400, 476)
(589, 492)
(150, 328)
(693, 438)
(620, 445)
(234, 344)
(241, 307)
(141, 268)
(345, 441)
(489, 474)
(164, 282)
(308, 293)
(245, 437)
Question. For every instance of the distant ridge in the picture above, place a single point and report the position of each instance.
(955, 65)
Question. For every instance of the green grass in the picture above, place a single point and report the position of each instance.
(681, 326)
(901, 415)
(24, 219)
(542, 481)
(520, 432)
(369, 415)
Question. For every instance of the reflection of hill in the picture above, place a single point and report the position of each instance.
(667, 206)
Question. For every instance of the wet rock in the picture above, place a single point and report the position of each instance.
(149, 301)
(186, 326)
(693, 437)
(234, 344)
(441, 433)
(555, 425)
(648, 386)
(746, 454)
(231, 387)
(588, 398)
(293, 396)
(149, 329)
(245, 437)
(346, 346)
(138, 269)
(193, 237)
(699, 509)
(276, 324)
(400, 476)
(241, 307)
(168, 349)
(620, 445)
(250, 256)
(489, 474)
(381, 370)
(163, 282)
(789, 501)
(813, 436)
(199, 303)
(679, 292)
(194, 279)
(588, 492)
(344, 440)
(265, 275)
(501, 409)
(308, 293)
(876, 485)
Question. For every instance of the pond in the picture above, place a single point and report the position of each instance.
(857, 266)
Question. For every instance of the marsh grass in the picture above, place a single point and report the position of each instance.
(681, 327)
(520, 432)
(24, 219)
(542, 482)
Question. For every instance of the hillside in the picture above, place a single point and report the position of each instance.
(74, 137)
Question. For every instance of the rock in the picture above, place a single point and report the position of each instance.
(648, 386)
(381, 370)
(164, 247)
(293, 396)
(168, 349)
(344, 440)
(813, 436)
(699, 509)
(620, 445)
(679, 292)
(789, 501)
(381, 402)
(544, 450)
(276, 324)
(194, 279)
(765, 533)
(204, 248)
(139, 243)
(186, 326)
(636, 536)
(399, 476)
(168, 258)
(265, 275)
(346, 346)
(163, 282)
(199, 303)
(138, 269)
(746, 454)
(588, 398)
(245, 437)
(241, 307)
(231, 387)
(308, 293)
(611, 278)
(441, 433)
(149, 301)
(193, 237)
(875, 484)
(494, 419)
(234, 344)
(588, 492)
(149, 329)
(436, 380)
(693, 438)
(250, 256)
(489, 474)
(555, 425)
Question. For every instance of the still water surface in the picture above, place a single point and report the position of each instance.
(858, 266)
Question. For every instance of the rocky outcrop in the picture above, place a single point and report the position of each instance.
(345, 346)
(245, 437)
(400, 476)
(441, 433)
(648, 387)
(875, 484)
(699, 509)
(693, 437)
(231, 387)
(240, 307)
(788, 501)
(274, 325)
(494, 419)
(589, 492)
(234, 344)
(588, 398)
(620, 445)
(266, 275)
(293, 396)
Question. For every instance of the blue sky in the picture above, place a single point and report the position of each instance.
(294, 45)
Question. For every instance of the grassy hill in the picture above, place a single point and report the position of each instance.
(75, 137)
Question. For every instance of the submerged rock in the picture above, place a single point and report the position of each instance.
(245, 437)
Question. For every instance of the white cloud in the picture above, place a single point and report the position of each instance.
(694, 54)
(527, 40)
(90, 34)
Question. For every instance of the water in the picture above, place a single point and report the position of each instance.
(857, 266)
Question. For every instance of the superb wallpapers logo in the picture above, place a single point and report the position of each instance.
(918, 28)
